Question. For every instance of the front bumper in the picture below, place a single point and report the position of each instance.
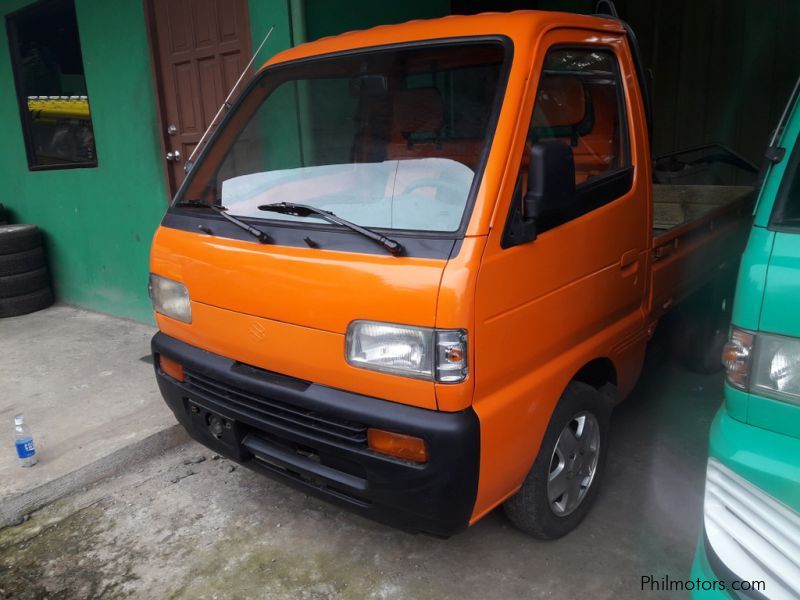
(314, 438)
(752, 507)
(702, 571)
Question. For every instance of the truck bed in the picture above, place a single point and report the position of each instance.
(697, 230)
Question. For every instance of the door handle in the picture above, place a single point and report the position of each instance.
(629, 262)
(174, 155)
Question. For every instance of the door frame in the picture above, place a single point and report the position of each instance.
(156, 79)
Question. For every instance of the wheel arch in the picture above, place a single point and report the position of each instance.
(600, 373)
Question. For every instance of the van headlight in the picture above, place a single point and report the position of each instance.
(763, 363)
(170, 298)
(435, 354)
(776, 369)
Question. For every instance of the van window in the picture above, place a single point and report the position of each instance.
(392, 139)
(580, 103)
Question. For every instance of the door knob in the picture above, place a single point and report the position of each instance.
(174, 155)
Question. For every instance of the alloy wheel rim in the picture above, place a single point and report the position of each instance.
(573, 464)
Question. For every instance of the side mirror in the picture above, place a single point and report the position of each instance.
(551, 180)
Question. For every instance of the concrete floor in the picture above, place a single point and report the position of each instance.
(88, 398)
(176, 528)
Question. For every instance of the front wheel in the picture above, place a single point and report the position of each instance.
(563, 482)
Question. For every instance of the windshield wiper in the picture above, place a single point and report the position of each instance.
(261, 236)
(304, 210)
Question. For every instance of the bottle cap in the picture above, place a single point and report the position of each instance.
(18, 420)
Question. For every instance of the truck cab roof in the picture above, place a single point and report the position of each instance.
(521, 27)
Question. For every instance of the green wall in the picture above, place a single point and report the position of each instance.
(98, 222)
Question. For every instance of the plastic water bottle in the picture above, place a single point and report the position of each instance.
(24, 442)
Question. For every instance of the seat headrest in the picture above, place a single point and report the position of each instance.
(420, 110)
(560, 102)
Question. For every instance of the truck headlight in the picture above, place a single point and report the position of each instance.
(776, 368)
(763, 363)
(170, 298)
(434, 354)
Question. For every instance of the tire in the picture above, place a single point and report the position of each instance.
(19, 238)
(21, 262)
(700, 327)
(28, 303)
(24, 283)
(531, 509)
(697, 343)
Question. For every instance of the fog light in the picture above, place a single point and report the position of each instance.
(170, 367)
(402, 446)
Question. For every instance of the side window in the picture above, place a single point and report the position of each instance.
(580, 102)
(51, 89)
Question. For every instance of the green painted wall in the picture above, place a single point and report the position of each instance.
(98, 222)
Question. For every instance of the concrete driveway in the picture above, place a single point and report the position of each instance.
(173, 527)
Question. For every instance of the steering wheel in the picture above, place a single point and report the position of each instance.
(455, 196)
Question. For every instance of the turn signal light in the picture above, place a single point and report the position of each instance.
(402, 446)
(737, 356)
(170, 367)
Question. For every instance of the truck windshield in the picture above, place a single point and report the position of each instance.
(787, 209)
(390, 139)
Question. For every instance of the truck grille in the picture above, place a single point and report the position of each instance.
(757, 537)
(276, 412)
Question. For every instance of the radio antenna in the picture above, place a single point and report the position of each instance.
(225, 105)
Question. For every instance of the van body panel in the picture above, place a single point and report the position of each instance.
(779, 312)
(751, 282)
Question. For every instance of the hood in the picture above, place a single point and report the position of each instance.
(313, 288)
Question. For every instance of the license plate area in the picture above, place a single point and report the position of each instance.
(222, 432)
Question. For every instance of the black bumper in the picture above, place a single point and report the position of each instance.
(314, 438)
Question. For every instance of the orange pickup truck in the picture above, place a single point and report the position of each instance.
(417, 266)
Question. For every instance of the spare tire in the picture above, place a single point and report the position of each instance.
(19, 238)
(21, 262)
(23, 283)
(27, 303)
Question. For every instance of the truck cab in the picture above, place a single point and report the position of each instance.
(752, 496)
(416, 267)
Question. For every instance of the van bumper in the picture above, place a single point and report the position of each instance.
(313, 437)
(766, 463)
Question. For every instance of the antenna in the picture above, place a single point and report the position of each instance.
(226, 104)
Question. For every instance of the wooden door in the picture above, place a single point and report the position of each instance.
(200, 48)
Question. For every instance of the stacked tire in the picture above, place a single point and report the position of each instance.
(24, 278)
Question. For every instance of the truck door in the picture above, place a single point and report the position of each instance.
(577, 290)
